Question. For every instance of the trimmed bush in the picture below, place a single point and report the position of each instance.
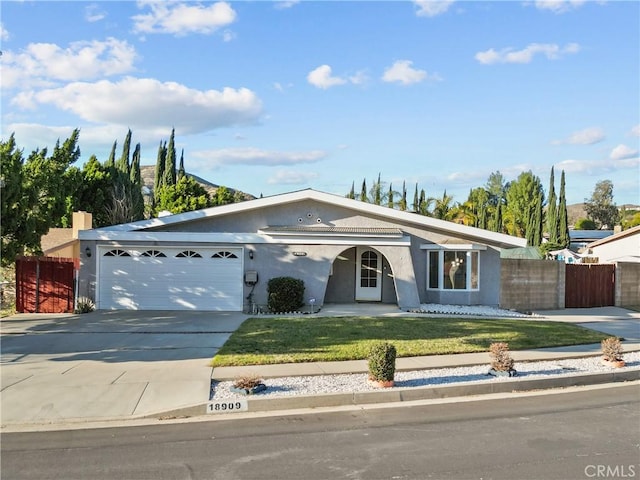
(501, 360)
(286, 294)
(382, 362)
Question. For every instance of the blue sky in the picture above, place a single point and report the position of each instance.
(270, 97)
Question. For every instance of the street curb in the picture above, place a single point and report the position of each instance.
(408, 394)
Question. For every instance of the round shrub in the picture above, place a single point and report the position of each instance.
(285, 294)
(382, 362)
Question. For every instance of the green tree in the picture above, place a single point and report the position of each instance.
(122, 165)
(402, 204)
(534, 229)
(363, 191)
(94, 196)
(185, 196)
(181, 170)
(600, 206)
(521, 200)
(563, 219)
(136, 185)
(390, 199)
(111, 161)
(442, 207)
(170, 174)
(416, 200)
(585, 224)
(479, 205)
(158, 181)
(14, 202)
(223, 196)
(352, 192)
(552, 211)
(376, 192)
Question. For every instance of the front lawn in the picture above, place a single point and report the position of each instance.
(270, 340)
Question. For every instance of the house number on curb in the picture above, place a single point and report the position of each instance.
(228, 406)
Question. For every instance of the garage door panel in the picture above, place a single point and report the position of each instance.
(160, 279)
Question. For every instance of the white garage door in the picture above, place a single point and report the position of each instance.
(170, 278)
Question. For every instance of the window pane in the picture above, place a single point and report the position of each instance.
(474, 270)
(434, 268)
(455, 270)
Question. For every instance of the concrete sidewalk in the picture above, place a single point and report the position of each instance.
(108, 366)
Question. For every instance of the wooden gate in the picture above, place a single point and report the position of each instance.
(589, 285)
(45, 284)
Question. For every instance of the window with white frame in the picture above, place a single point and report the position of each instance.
(449, 269)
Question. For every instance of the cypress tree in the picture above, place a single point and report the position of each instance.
(552, 211)
(416, 202)
(111, 161)
(170, 162)
(563, 222)
(181, 170)
(390, 202)
(158, 182)
(403, 200)
(377, 192)
(363, 191)
(136, 185)
(123, 162)
(352, 192)
(422, 203)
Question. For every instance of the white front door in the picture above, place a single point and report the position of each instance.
(368, 275)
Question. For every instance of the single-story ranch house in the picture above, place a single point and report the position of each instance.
(344, 250)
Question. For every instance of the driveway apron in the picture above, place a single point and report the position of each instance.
(107, 364)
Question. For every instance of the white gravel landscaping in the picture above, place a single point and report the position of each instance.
(352, 383)
(479, 311)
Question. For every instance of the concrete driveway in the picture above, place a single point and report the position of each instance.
(107, 364)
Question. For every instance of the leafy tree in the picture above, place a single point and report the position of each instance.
(585, 224)
(552, 211)
(223, 196)
(534, 229)
(390, 199)
(563, 218)
(479, 205)
(94, 196)
(111, 161)
(14, 202)
(521, 199)
(185, 196)
(181, 170)
(496, 188)
(600, 207)
(443, 206)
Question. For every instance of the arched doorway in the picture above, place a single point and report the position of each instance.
(360, 274)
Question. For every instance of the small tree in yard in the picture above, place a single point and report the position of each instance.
(285, 294)
(612, 350)
(382, 362)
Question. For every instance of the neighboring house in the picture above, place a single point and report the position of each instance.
(63, 242)
(622, 247)
(344, 250)
(579, 239)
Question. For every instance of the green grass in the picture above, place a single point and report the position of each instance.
(262, 341)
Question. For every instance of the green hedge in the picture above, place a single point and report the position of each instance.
(286, 294)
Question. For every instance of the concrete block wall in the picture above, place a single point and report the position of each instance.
(627, 284)
(532, 284)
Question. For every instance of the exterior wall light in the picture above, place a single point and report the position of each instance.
(251, 254)
(87, 252)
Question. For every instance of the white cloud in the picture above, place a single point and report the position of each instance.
(432, 8)
(4, 33)
(148, 103)
(559, 6)
(588, 136)
(291, 177)
(179, 19)
(93, 13)
(256, 156)
(509, 55)
(635, 131)
(42, 64)
(285, 5)
(402, 72)
(622, 152)
(597, 167)
(321, 78)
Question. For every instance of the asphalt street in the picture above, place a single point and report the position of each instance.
(565, 435)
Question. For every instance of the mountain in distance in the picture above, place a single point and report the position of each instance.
(148, 174)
